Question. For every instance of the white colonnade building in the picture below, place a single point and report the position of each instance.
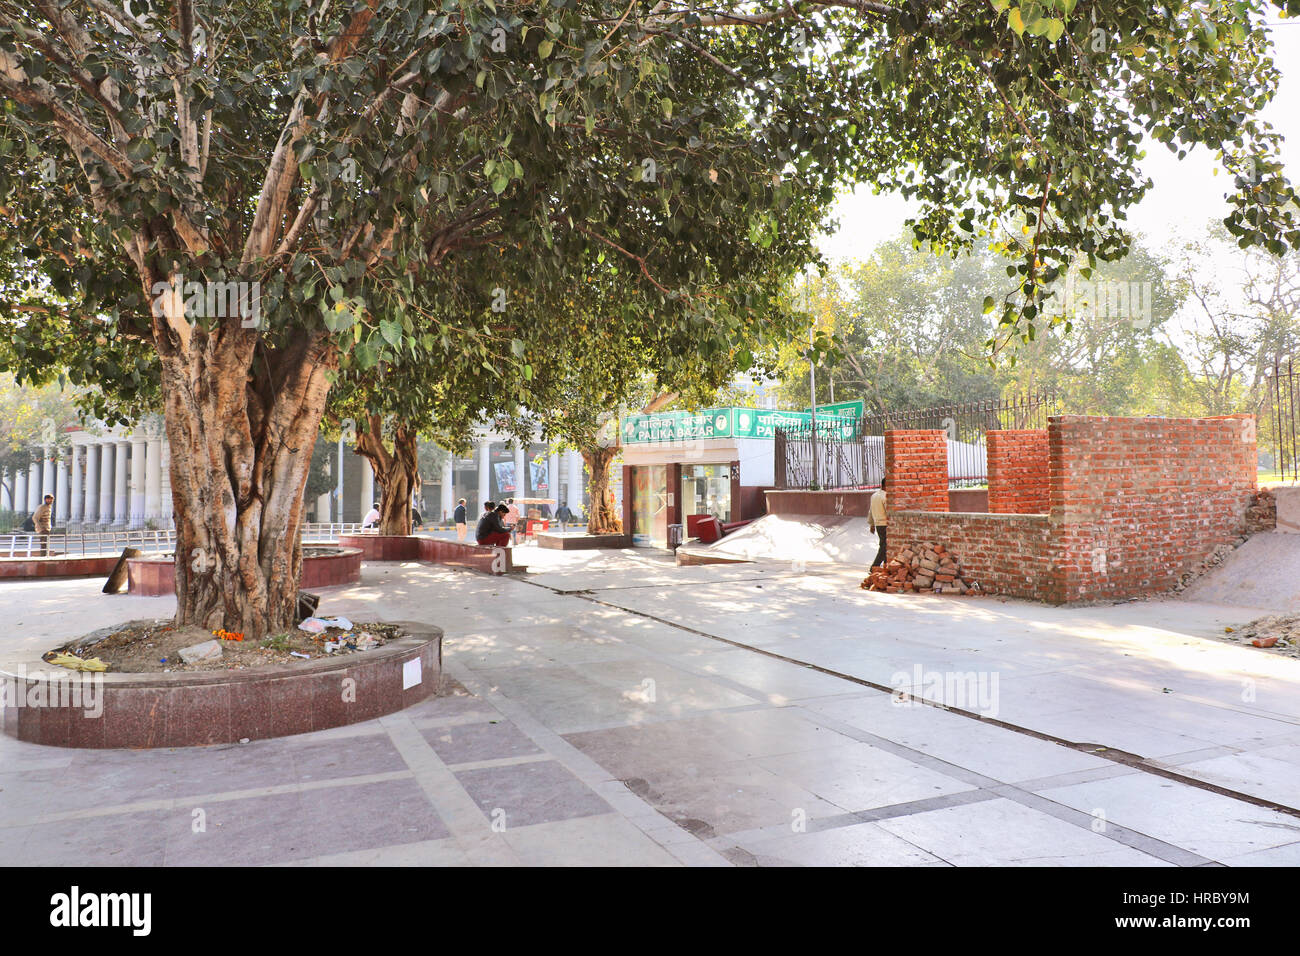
(115, 478)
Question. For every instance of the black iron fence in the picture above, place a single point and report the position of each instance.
(850, 452)
(1276, 418)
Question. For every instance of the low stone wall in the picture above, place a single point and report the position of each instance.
(582, 542)
(383, 547)
(60, 567)
(856, 502)
(456, 554)
(688, 556)
(156, 577)
(61, 708)
(479, 557)
(852, 503)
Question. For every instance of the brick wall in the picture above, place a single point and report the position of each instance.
(1017, 466)
(916, 466)
(1007, 554)
(1132, 504)
(1141, 501)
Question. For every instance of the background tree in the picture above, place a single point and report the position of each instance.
(31, 420)
(1242, 318)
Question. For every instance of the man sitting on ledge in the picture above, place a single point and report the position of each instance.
(492, 528)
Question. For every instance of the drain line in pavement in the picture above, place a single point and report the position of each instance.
(1097, 750)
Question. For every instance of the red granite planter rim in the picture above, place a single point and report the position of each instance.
(199, 709)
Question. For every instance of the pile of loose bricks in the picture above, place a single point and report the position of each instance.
(930, 569)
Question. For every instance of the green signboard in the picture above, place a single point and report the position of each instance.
(677, 426)
(662, 427)
(854, 409)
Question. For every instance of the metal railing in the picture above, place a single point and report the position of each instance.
(28, 544)
(850, 453)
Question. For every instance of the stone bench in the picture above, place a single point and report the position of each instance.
(458, 554)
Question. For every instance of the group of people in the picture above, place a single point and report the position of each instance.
(497, 519)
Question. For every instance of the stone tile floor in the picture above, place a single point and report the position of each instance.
(647, 722)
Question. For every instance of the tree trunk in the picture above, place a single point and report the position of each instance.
(602, 516)
(397, 473)
(241, 442)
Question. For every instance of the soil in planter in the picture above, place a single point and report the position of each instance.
(153, 646)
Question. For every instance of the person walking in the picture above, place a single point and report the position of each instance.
(512, 520)
(879, 521)
(459, 519)
(563, 516)
(43, 519)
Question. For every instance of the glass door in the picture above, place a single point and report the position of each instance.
(650, 506)
(706, 490)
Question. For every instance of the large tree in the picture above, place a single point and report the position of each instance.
(346, 156)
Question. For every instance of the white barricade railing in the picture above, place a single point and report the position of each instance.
(26, 544)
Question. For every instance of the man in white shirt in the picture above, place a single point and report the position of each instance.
(372, 517)
(879, 521)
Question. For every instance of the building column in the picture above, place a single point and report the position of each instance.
(484, 476)
(5, 503)
(521, 472)
(77, 490)
(121, 491)
(137, 482)
(107, 463)
(575, 481)
(367, 486)
(33, 486)
(91, 512)
(448, 492)
(61, 491)
(553, 477)
(323, 507)
(20, 490)
(166, 490)
(153, 480)
(48, 486)
(338, 492)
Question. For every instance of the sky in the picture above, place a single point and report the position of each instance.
(1185, 194)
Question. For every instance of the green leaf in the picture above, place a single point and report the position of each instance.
(391, 331)
(1054, 29)
(988, 304)
(1016, 23)
(545, 47)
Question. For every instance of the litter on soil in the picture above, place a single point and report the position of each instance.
(1279, 632)
(152, 646)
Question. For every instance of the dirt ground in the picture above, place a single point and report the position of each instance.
(153, 646)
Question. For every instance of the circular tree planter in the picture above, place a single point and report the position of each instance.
(46, 704)
(327, 568)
